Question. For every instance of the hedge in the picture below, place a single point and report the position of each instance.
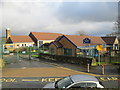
(66, 59)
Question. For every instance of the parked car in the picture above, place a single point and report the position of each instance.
(6, 52)
(76, 81)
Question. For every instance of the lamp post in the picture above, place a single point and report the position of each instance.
(99, 57)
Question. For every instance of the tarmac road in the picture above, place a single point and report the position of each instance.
(39, 82)
(54, 72)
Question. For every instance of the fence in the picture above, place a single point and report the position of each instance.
(110, 58)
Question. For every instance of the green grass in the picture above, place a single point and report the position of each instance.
(35, 55)
(101, 63)
(115, 62)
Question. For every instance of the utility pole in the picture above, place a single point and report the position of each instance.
(99, 57)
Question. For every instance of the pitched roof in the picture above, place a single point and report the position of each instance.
(45, 35)
(109, 39)
(78, 40)
(18, 39)
(57, 44)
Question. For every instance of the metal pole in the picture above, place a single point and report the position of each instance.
(99, 57)
(29, 53)
(17, 54)
(2, 48)
(103, 69)
(88, 67)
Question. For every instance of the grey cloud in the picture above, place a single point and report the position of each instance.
(76, 12)
(23, 18)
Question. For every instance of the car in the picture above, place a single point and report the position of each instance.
(6, 52)
(76, 81)
(23, 52)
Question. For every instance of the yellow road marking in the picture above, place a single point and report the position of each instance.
(114, 78)
(30, 80)
(78, 71)
(103, 79)
(58, 66)
(8, 80)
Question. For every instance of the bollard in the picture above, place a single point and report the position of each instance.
(88, 67)
(103, 69)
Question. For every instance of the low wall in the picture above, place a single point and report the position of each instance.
(66, 59)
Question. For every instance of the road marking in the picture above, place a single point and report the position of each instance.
(49, 79)
(102, 79)
(8, 80)
(30, 80)
(78, 71)
(41, 80)
(23, 67)
(108, 78)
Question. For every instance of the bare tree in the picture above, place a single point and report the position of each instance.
(81, 33)
(116, 28)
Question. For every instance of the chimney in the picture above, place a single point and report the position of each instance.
(7, 33)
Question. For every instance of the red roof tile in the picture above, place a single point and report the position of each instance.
(17, 39)
(45, 35)
(78, 40)
(109, 39)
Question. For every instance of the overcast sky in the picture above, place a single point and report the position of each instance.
(94, 18)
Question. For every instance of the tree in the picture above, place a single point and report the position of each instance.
(81, 33)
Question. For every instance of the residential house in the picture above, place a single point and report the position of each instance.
(41, 38)
(112, 43)
(74, 45)
(13, 42)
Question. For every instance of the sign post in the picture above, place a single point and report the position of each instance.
(99, 48)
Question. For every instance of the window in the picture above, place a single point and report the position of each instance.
(91, 85)
(67, 51)
(115, 47)
(63, 83)
(40, 43)
(79, 85)
(11, 46)
(52, 51)
(84, 85)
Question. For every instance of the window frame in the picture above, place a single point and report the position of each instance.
(67, 51)
(70, 86)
